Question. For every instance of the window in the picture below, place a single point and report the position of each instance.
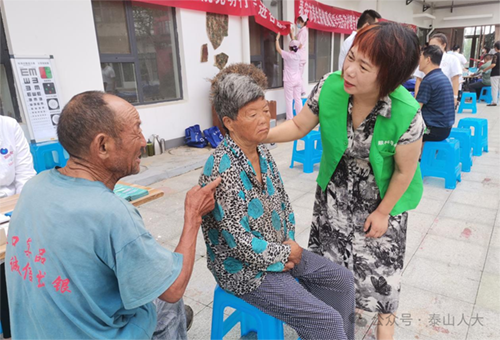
(320, 54)
(336, 50)
(475, 38)
(139, 51)
(263, 52)
(10, 106)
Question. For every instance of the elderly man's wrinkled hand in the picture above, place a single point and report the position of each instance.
(295, 253)
(200, 201)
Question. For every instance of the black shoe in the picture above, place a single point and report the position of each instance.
(492, 104)
(189, 317)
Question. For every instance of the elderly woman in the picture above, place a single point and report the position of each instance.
(250, 234)
(371, 130)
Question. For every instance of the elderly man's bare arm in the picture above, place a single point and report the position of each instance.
(199, 201)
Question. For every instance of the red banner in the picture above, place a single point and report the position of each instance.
(331, 19)
(240, 8)
(327, 18)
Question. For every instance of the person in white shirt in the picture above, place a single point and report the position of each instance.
(16, 162)
(16, 168)
(108, 78)
(449, 65)
(368, 17)
(456, 52)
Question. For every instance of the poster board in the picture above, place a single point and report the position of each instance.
(39, 94)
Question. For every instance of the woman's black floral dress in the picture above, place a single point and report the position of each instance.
(341, 210)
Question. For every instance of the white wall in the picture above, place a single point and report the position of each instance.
(170, 119)
(462, 11)
(64, 29)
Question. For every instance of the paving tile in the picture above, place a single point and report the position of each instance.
(294, 194)
(413, 241)
(197, 306)
(429, 206)
(452, 252)
(483, 324)
(466, 231)
(492, 265)
(202, 325)
(202, 284)
(167, 204)
(302, 239)
(306, 201)
(485, 169)
(300, 184)
(162, 226)
(418, 307)
(488, 295)
(419, 221)
(482, 200)
(470, 213)
(303, 218)
(434, 189)
(479, 177)
(453, 281)
(495, 238)
(485, 187)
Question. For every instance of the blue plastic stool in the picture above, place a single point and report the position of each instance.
(468, 106)
(464, 136)
(442, 159)
(486, 94)
(480, 135)
(250, 318)
(313, 149)
(473, 69)
(48, 155)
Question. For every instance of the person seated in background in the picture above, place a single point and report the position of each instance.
(250, 235)
(485, 77)
(82, 264)
(435, 96)
(450, 66)
(16, 168)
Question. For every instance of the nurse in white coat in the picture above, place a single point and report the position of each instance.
(292, 79)
(16, 168)
(16, 162)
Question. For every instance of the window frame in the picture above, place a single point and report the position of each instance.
(261, 57)
(5, 61)
(314, 56)
(133, 56)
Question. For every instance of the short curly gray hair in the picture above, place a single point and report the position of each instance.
(233, 92)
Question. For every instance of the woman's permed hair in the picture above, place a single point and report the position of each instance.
(236, 86)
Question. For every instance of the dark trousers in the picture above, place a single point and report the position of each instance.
(477, 86)
(319, 307)
(4, 304)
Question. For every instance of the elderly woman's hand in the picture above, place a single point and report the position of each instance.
(200, 201)
(295, 254)
(376, 224)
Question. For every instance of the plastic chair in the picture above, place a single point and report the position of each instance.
(486, 95)
(468, 106)
(464, 136)
(249, 317)
(48, 155)
(480, 135)
(442, 159)
(313, 149)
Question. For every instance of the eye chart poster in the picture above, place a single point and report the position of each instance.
(39, 95)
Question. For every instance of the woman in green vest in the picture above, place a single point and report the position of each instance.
(371, 131)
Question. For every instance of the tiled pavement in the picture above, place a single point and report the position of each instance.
(451, 279)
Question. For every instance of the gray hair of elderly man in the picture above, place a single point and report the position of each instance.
(85, 116)
(233, 92)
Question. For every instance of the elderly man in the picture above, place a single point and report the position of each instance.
(81, 263)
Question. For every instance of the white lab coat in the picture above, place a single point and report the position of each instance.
(16, 162)
(346, 46)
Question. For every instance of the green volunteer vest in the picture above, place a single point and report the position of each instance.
(333, 105)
